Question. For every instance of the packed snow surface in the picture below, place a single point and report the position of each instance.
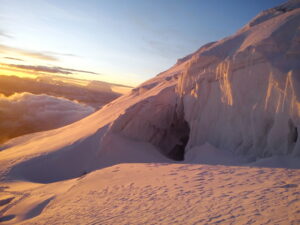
(233, 104)
(159, 194)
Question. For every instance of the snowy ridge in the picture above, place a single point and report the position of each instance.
(273, 12)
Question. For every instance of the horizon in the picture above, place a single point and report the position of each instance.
(123, 42)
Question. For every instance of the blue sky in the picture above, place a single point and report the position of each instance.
(122, 41)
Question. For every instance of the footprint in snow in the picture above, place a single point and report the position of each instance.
(6, 201)
(7, 218)
(289, 186)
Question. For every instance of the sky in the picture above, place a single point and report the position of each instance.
(125, 42)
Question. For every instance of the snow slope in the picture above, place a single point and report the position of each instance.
(160, 194)
(232, 102)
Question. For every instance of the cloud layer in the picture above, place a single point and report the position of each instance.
(13, 58)
(45, 69)
(26, 113)
(33, 54)
(4, 34)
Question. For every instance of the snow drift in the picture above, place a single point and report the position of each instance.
(240, 95)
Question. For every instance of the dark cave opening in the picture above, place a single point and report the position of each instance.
(292, 136)
(181, 130)
(293, 133)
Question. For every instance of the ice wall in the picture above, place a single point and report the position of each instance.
(241, 93)
(243, 104)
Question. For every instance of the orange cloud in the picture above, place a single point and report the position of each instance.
(32, 54)
(44, 69)
(13, 58)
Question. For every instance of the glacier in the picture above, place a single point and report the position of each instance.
(239, 95)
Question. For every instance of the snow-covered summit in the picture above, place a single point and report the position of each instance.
(273, 12)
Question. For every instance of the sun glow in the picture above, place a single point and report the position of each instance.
(6, 70)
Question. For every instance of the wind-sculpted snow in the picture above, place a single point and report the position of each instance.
(249, 101)
(158, 193)
(253, 109)
(164, 128)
